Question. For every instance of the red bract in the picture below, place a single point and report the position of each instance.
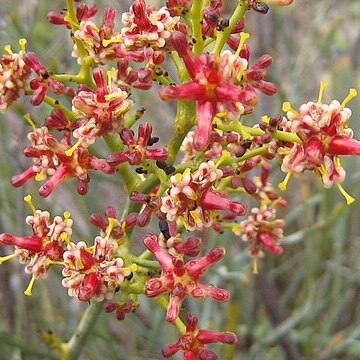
(138, 148)
(214, 84)
(179, 279)
(193, 342)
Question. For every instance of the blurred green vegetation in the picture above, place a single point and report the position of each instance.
(302, 305)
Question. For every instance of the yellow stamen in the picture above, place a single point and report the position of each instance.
(225, 154)
(65, 237)
(28, 291)
(195, 216)
(28, 118)
(78, 264)
(40, 176)
(323, 85)
(110, 74)
(112, 223)
(107, 42)
(349, 97)
(7, 48)
(243, 37)
(22, 43)
(287, 107)
(70, 151)
(255, 265)
(265, 119)
(283, 185)
(49, 262)
(28, 200)
(67, 215)
(131, 268)
(349, 199)
(6, 258)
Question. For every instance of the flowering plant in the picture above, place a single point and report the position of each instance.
(213, 175)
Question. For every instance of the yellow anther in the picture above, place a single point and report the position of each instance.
(78, 264)
(195, 216)
(323, 85)
(7, 48)
(70, 151)
(107, 42)
(28, 118)
(265, 119)
(350, 96)
(49, 262)
(28, 291)
(67, 215)
(243, 37)
(112, 223)
(22, 43)
(225, 154)
(65, 237)
(131, 268)
(28, 200)
(6, 258)
(255, 265)
(283, 185)
(110, 75)
(287, 107)
(349, 199)
(40, 176)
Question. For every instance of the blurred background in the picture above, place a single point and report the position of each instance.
(303, 304)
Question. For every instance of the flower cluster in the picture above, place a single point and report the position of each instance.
(217, 163)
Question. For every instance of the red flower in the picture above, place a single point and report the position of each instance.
(214, 83)
(138, 148)
(179, 279)
(193, 341)
(59, 161)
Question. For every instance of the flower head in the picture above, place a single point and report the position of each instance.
(14, 75)
(45, 246)
(58, 161)
(93, 272)
(193, 342)
(146, 27)
(193, 199)
(324, 134)
(215, 85)
(180, 279)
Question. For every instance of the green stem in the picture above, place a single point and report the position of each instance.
(55, 104)
(150, 264)
(184, 120)
(178, 322)
(130, 178)
(74, 347)
(239, 128)
(223, 35)
(74, 23)
(196, 17)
